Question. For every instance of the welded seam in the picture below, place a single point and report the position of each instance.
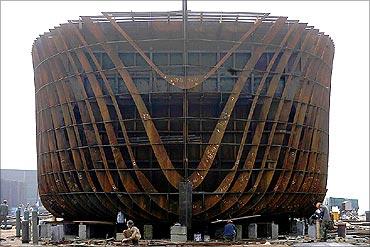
(146, 40)
(158, 118)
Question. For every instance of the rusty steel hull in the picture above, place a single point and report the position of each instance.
(121, 121)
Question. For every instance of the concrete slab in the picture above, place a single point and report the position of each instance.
(178, 233)
(252, 231)
(57, 233)
(178, 238)
(119, 236)
(148, 232)
(45, 230)
(312, 231)
(274, 231)
(178, 230)
(82, 232)
(300, 228)
(239, 230)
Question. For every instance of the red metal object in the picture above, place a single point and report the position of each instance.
(110, 91)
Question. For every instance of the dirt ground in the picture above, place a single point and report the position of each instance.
(8, 239)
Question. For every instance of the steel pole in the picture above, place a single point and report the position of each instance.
(185, 100)
(18, 222)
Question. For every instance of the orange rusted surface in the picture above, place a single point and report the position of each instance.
(117, 110)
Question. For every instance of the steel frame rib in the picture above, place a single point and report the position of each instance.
(128, 182)
(160, 152)
(57, 161)
(266, 176)
(224, 186)
(241, 182)
(218, 133)
(284, 115)
(305, 94)
(295, 139)
(55, 72)
(314, 183)
(86, 116)
(88, 132)
(307, 139)
(271, 134)
(105, 180)
(296, 181)
(243, 200)
(144, 181)
(191, 82)
(80, 160)
(45, 184)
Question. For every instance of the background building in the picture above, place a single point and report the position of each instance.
(19, 187)
(338, 202)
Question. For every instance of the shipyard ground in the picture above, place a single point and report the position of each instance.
(8, 239)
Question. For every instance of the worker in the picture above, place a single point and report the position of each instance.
(132, 233)
(4, 212)
(325, 220)
(229, 231)
(120, 221)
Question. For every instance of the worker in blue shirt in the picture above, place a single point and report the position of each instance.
(120, 222)
(229, 231)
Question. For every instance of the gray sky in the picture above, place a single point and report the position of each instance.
(346, 22)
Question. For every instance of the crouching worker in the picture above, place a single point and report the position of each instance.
(132, 233)
(229, 231)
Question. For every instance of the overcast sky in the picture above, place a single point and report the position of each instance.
(346, 22)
